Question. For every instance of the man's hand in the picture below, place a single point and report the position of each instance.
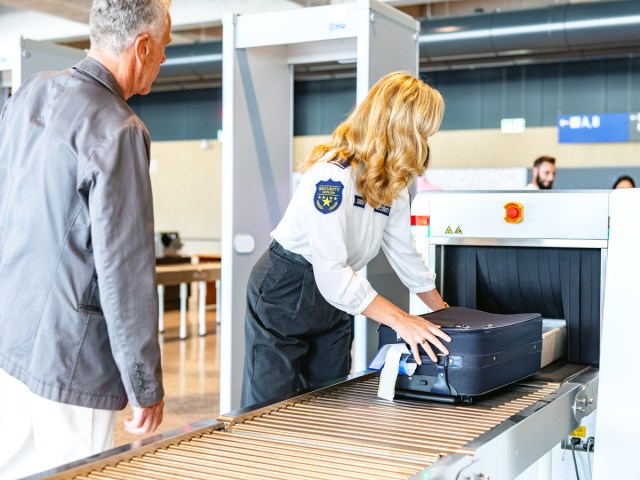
(146, 419)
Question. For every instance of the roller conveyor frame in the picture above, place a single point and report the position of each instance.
(508, 431)
(510, 448)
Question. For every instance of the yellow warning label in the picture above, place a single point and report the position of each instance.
(458, 230)
(448, 230)
(581, 431)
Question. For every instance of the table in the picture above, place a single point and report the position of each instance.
(181, 274)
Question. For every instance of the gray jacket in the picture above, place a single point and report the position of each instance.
(78, 303)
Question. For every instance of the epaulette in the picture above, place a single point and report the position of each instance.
(340, 163)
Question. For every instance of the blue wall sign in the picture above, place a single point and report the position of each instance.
(600, 128)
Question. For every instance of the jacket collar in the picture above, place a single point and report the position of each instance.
(94, 69)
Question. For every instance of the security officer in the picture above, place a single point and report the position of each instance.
(352, 199)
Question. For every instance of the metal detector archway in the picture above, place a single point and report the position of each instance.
(259, 52)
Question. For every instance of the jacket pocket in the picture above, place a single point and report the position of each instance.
(90, 302)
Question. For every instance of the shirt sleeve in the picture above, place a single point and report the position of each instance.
(122, 230)
(338, 283)
(397, 244)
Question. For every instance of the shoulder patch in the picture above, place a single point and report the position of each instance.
(383, 209)
(359, 201)
(328, 196)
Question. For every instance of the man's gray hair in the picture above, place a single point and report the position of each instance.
(115, 24)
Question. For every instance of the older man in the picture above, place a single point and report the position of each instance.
(78, 307)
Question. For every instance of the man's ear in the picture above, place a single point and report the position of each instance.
(142, 47)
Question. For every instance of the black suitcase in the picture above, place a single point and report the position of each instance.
(487, 351)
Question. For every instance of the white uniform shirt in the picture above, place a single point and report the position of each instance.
(328, 223)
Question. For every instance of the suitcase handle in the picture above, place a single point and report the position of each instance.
(441, 386)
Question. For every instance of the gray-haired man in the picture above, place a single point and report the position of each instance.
(78, 306)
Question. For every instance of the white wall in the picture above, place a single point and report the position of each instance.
(185, 177)
(491, 148)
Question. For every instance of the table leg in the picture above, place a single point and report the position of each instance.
(218, 301)
(161, 308)
(183, 311)
(202, 306)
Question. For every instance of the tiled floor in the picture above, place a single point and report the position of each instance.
(191, 372)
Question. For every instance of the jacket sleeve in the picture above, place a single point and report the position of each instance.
(122, 229)
(339, 284)
(397, 245)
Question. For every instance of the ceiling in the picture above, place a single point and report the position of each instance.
(78, 10)
(193, 36)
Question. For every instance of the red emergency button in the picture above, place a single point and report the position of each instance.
(514, 212)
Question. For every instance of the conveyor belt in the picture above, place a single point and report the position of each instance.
(341, 432)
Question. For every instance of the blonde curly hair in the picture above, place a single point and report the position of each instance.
(385, 137)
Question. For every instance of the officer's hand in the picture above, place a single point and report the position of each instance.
(417, 331)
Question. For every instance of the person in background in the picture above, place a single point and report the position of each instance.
(544, 173)
(352, 200)
(78, 302)
(624, 181)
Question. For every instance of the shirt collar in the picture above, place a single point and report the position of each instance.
(94, 69)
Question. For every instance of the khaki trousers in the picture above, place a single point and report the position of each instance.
(38, 434)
